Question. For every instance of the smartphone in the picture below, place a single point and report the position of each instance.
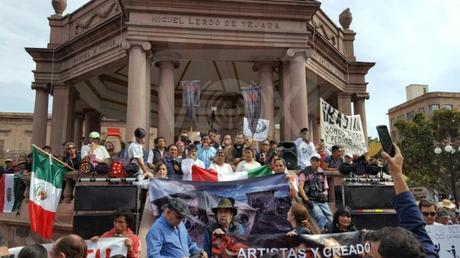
(385, 140)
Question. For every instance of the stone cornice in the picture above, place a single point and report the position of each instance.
(290, 9)
(360, 67)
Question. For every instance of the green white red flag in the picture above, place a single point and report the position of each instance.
(45, 192)
(210, 175)
(7, 193)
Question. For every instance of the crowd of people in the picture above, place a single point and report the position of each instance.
(309, 213)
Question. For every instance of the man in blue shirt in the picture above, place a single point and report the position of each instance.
(410, 239)
(168, 237)
(206, 152)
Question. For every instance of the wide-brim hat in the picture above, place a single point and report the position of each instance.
(226, 203)
(8, 160)
(446, 203)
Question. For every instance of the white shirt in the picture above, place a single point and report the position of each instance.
(224, 170)
(186, 166)
(135, 150)
(245, 166)
(304, 152)
(100, 153)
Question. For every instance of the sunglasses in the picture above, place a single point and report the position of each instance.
(426, 214)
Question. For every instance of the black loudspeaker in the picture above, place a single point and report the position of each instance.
(374, 220)
(365, 196)
(89, 225)
(90, 197)
(288, 152)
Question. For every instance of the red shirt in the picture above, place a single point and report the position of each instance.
(135, 251)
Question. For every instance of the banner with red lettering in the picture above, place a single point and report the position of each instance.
(102, 248)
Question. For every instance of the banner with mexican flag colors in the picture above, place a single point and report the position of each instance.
(7, 196)
(45, 192)
(209, 175)
(11, 192)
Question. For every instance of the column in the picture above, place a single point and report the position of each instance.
(166, 100)
(137, 109)
(92, 122)
(344, 103)
(286, 104)
(40, 119)
(62, 119)
(78, 129)
(265, 70)
(360, 109)
(148, 94)
(298, 93)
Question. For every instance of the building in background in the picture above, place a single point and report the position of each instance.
(16, 133)
(420, 100)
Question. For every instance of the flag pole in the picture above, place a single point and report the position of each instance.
(44, 152)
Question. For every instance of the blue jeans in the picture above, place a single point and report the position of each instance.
(322, 214)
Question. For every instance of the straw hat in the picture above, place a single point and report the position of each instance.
(446, 203)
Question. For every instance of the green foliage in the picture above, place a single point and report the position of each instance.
(417, 141)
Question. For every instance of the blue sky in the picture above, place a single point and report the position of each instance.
(412, 41)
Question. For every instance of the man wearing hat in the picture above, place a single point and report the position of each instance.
(225, 223)
(9, 167)
(313, 190)
(168, 236)
(93, 152)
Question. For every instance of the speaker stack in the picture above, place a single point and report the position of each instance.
(371, 204)
(288, 152)
(95, 204)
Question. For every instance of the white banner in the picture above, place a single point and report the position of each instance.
(446, 239)
(103, 248)
(261, 131)
(340, 129)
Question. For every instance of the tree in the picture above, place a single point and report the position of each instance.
(417, 141)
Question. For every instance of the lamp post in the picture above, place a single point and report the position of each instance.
(450, 150)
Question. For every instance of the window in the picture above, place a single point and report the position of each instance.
(448, 106)
(434, 107)
(410, 115)
(421, 110)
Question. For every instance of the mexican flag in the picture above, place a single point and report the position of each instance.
(7, 193)
(209, 175)
(45, 192)
(11, 192)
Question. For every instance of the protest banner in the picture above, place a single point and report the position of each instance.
(102, 248)
(252, 107)
(262, 202)
(191, 92)
(261, 132)
(446, 239)
(350, 245)
(340, 129)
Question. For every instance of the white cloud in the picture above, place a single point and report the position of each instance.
(412, 41)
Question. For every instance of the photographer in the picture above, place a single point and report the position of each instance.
(410, 239)
(313, 190)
